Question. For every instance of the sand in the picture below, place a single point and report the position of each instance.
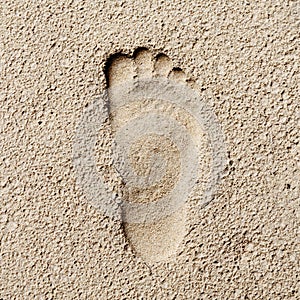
(237, 63)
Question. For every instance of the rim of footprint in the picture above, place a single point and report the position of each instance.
(167, 143)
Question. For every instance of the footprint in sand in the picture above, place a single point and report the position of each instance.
(167, 152)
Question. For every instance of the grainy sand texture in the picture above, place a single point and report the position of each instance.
(149, 149)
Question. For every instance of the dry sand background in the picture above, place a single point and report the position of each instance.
(244, 58)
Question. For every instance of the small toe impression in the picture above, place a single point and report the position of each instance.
(143, 62)
(178, 75)
(163, 65)
(120, 70)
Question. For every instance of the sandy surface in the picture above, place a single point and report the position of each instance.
(242, 59)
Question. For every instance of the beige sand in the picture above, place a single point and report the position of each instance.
(242, 57)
